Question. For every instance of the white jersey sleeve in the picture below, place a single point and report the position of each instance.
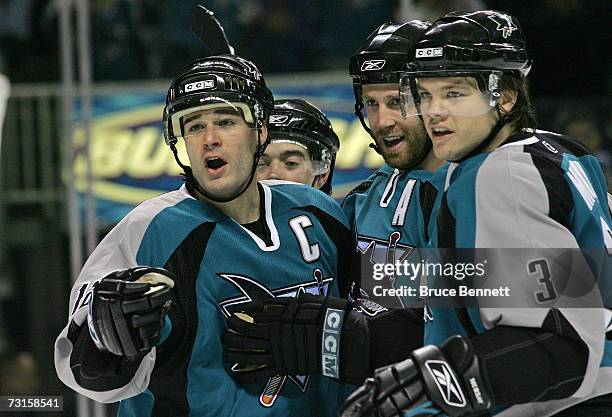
(117, 251)
(512, 212)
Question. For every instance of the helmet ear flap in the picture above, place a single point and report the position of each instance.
(493, 88)
(258, 113)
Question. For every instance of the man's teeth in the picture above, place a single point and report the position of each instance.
(441, 131)
(392, 140)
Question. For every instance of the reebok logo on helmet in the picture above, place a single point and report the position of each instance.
(279, 118)
(373, 65)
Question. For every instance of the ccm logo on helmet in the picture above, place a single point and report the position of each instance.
(428, 52)
(330, 349)
(279, 118)
(373, 65)
(200, 85)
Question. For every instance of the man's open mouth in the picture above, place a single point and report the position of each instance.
(391, 141)
(214, 163)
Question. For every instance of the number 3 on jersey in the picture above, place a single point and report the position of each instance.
(541, 268)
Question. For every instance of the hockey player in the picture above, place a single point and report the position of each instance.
(303, 146)
(524, 190)
(148, 309)
(390, 210)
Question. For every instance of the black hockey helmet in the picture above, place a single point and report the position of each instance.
(385, 53)
(298, 121)
(220, 79)
(382, 57)
(217, 81)
(482, 40)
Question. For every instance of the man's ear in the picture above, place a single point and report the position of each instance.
(264, 132)
(507, 100)
(321, 179)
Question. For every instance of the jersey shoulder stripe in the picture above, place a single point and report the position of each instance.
(383, 172)
(288, 196)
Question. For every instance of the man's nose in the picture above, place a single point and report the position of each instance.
(436, 107)
(211, 137)
(274, 171)
(387, 117)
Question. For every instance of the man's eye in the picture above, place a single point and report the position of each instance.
(370, 103)
(454, 94)
(394, 102)
(292, 164)
(195, 127)
(424, 95)
(226, 122)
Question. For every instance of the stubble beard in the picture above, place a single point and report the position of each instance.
(418, 146)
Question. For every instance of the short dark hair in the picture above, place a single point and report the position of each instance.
(522, 115)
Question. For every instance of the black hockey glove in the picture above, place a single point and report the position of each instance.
(294, 336)
(449, 381)
(128, 308)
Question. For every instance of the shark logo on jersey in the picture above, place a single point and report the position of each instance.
(384, 252)
(377, 251)
(253, 290)
(504, 24)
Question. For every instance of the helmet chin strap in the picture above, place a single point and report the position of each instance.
(193, 184)
(359, 114)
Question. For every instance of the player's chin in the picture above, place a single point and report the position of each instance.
(405, 159)
(447, 153)
(400, 161)
(218, 187)
(453, 149)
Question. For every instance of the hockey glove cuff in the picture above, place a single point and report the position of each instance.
(450, 381)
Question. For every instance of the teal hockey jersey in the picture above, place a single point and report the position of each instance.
(303, 244)
(538, 190)
(390, 214)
